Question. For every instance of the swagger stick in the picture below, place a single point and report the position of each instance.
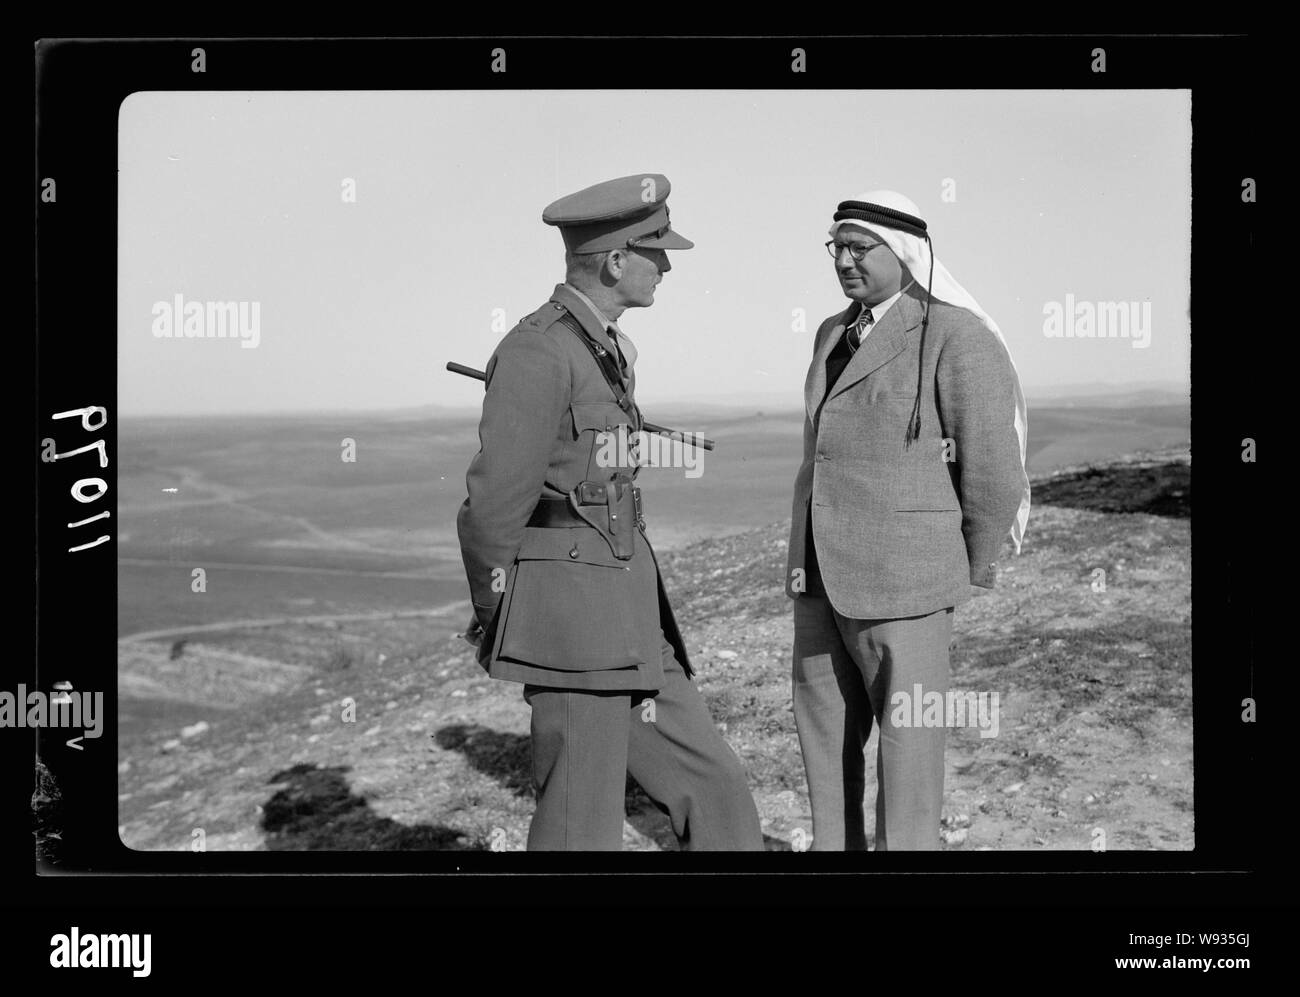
(689, 439)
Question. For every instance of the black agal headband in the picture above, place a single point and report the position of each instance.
(878, 214)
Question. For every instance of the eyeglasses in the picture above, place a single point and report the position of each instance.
(857, 250)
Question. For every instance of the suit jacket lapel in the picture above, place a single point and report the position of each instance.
(885, 341)
(815, 385)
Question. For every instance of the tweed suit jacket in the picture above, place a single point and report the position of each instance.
(558, 608)
(900, 530)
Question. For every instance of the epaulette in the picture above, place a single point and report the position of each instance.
(543, 318)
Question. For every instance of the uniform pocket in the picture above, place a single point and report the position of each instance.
(598, 416)
(614, 446)
(571, 603)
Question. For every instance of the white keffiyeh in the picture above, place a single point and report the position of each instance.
(915, 253)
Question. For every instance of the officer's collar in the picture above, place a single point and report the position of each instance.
(591, 318)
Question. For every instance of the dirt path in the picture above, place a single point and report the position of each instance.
(161, 562)
(223, 626)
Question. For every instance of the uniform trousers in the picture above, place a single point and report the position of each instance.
(846, 674)
(586, 742)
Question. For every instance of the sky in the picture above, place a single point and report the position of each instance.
(1032, 198)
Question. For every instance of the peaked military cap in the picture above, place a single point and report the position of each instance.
(630, 212)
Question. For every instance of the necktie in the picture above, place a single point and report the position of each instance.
(634, 444)
(855, 333)
(612, 332)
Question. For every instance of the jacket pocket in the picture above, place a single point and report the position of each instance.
(571, 603)
(598, 416)
(613, 447)
(928, 490)
(886, 396)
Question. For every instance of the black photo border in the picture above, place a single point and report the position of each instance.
(80, 85)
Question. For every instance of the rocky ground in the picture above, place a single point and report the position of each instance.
(384, 734)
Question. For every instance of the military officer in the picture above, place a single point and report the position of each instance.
(567, 593)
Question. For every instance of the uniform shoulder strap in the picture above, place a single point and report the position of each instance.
(543, 318)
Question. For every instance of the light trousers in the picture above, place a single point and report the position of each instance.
(847, 674)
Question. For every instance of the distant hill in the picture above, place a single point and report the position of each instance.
(1100, 396)
(1064, 435)
(1094, 394)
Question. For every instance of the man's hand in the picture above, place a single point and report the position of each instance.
(473, 632)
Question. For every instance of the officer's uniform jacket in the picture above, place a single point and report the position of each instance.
(899, 531)
(559, 609)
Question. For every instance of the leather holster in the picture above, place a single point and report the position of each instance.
(612, 508)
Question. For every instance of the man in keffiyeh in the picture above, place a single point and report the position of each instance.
(913, 475)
